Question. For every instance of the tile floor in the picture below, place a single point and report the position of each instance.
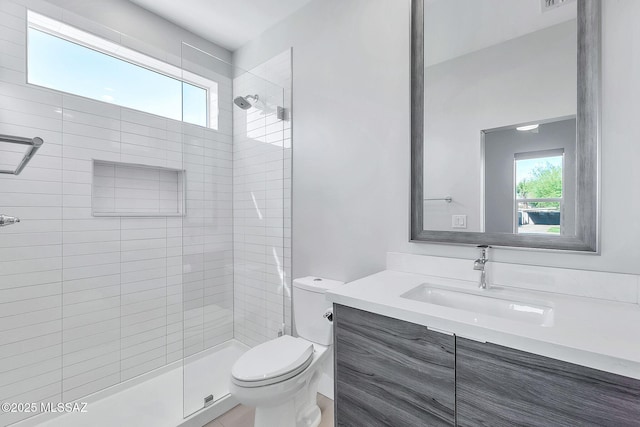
(242, 416)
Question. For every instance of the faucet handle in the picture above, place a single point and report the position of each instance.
(479, 264)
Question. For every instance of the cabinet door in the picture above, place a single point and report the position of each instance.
(499, 386)
(391, 373)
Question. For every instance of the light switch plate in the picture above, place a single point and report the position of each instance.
(547, 5)
(458, 221)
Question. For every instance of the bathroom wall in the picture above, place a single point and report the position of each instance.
(87, 302)
(120, 21)
(350, 96)
(262, 198)
(352, 153)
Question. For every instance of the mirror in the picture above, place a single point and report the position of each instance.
(505, 122)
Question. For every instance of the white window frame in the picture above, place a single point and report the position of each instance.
(559, 152)
(75, 35)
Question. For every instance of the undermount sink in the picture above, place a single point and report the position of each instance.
(484, 302)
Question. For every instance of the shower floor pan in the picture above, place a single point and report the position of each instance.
(156, 398)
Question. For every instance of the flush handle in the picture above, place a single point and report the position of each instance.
(328, 314)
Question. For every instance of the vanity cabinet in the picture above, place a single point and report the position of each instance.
(391, 373)
(499, 386)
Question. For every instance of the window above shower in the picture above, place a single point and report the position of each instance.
(64, 58)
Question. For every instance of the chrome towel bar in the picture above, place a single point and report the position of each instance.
(34, 143)
(447, 199)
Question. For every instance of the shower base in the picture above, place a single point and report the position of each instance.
(156, 398)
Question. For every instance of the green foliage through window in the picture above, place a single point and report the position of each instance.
(543, 182)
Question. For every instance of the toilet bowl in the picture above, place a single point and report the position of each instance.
(280, 377)
(286, 394)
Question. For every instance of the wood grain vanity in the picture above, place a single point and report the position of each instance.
(390, 372)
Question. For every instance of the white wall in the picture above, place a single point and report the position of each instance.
(350, 104)
(351, 153)
(122, 21)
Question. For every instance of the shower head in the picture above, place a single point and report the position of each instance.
(243, 101)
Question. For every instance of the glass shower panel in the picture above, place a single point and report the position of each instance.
(258, 165)
(207, 233)
(232, 240)
(85, 274)
(91, 277)
(132, 225)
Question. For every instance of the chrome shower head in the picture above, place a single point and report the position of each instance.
(243, 101)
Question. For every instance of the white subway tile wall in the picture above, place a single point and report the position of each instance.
(262, 204)
(87, 302)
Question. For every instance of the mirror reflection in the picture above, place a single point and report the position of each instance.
(500, 91)
(528, 172)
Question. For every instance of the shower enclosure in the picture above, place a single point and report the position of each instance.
(151, 250)
(233, 287)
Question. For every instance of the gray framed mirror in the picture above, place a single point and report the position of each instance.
(505, 123)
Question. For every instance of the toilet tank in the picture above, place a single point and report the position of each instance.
(309, 307)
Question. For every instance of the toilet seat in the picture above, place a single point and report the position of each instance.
(272, 362)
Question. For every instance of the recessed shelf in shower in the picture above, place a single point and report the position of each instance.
(133, 190)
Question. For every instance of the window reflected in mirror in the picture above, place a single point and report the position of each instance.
(528, 170)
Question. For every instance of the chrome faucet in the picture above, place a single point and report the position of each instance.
(480, 264)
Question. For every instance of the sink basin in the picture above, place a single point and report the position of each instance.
(487, 302)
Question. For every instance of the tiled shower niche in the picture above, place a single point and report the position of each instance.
(122, 189)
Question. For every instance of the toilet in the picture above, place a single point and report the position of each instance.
(280, 377)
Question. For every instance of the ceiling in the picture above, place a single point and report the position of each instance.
(228, 23)
(455, 28)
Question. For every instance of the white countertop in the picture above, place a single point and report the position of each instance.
(595, 333)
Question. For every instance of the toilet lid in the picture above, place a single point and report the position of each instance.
(269, 362)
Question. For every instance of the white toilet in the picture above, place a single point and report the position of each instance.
(280, 377)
